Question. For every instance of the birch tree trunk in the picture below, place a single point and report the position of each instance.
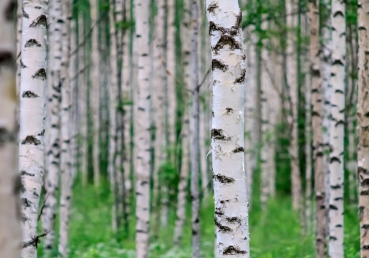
(19, 43)
(316, 100)
(32, 115)
(183, 182)
(95, 91)
(113, 101)
(337, 129)
(53, 141)
(308, 152)
(142, 129)
(127, 98)
(83, 97)
(160, 153)
(291, 60)
(363, 129)
(229, 71)
(65, 159)
(325, 67)
(195, 131)
(10, 219)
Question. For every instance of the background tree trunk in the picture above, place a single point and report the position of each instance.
(10, 219)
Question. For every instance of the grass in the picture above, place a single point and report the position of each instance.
(274, 234)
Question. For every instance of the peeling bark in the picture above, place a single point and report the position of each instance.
(32, 116)
(228, 64)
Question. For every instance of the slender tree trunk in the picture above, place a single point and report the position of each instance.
(316, 100)
(308, 152)
(202, 143)
(95, 91)
(127, 99)
(83, 98)
(142, 129)
(195, 131)
(32, 115)
(337, 129)
(183, 182)
(113, 109)
(291, 7)
(325, 67)
(53, 141)
(160, 154)
(65, 158)
(10, 219)
(363, 120)
(229, 71)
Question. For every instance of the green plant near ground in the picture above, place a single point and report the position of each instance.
(274, 233)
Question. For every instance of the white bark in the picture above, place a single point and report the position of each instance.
(127, 98)
(95, 91)
(291, 63)
(19, 42)
(10, 219)
(229, 71)
(308, 152)
(160, 152)
(363, 122)
(83, 100)
(195, 131)
(183, 182)
(142, 128)
(32, 115)
(65, 158)
(317, 114)
(337, 128)
(113, 109)
(53, 127)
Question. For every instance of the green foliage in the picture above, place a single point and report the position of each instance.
(275, 233)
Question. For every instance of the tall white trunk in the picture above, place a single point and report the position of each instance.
(10, 219)
(53, 127)
(142, 128)
(194, 129)
(160, 152)
(32, 115)
(291, 63)
(337, 129)
(127, 98)
(317, 114)
(229, 71)
(65, 158)
(19, 42)
(83, 99)
(363, 121)
(183, 181)
(95, 91)
(113, 109)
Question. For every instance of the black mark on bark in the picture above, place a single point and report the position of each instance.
(31, 140)
(242, 78)
(40, 22)
(217, 134)
(231, 250)
(40, 74)
(223, 179)
(32, 43)
(217, 64)
(29, 94)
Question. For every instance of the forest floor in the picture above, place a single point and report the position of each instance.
(274, 234)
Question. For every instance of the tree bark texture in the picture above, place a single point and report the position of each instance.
(142, 129)
(317, 113)
(337, 129)
(10, 218)
(65, 157)
(32, 116)
(229, 71)
(53, 143)
(363, 126)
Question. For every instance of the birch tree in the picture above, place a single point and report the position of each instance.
(142, 129)
(337, 128)
(316, 101)
(32, 116)
(53, 141)
(10, 220)
(95, 91)
(195, 131)
(229, 71)
(65, 157)
(363, 121)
